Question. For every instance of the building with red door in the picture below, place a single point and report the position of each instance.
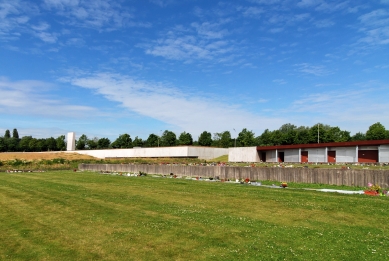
(371, 151)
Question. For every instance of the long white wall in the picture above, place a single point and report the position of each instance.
(243, 154)
(161, 152)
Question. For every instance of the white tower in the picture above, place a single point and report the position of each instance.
(71, 141)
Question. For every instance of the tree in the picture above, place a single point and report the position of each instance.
(24, 143)
(51, 144)
(91, 144)
(302, 135)
(124, 141)
(60, 142)
(3, 145)
(41, 145)
(168, 138)
(152, 141)
(138, 142)
(245, 138)
(185, 139)
(33, 145)
(376, 132)
(265, 139)
(7, 134)
(12, 144)
(81, 142)
(103, 143)
(358, 136)
(205, 139)
(222, 139)
(15, 134)
(335, 134)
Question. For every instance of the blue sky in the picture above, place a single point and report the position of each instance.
(104, 68)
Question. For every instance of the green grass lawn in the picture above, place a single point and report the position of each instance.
(64, 215)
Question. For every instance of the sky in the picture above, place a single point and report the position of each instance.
(105, 68)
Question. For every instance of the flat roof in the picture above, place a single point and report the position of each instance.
(323, 145)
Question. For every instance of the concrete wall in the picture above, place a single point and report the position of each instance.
(292, 155)
(349, 177)
(161, 152)
(317, 155)
(346, 154)
(243, 154)
(383, 153)
(271, 156)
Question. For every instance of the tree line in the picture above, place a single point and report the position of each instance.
(287, 134)
(13, 143)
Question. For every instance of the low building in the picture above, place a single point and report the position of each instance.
(371, 151)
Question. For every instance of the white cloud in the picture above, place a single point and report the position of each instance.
(324, 23)
(204, 43)
(375, 27)
(31, 97)
(96, 14)
(185, 111)
(353, 107)
(279, 81)
(316, 70)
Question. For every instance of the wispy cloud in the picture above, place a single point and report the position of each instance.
(97, 14)
(168, 104)
(199, 42)
(31, 97)
(307, 68)
(355, 106)
(375, 27)
(279, 81)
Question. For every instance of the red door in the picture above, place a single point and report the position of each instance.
(304, 156)
(332, 156)
(368, 156)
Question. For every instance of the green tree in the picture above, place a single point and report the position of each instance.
(376, 132)
(205, 139)
(15, 134)
(358, 136)
(265, 139)
(335, 134)
(60, 142)
(152, 141)
(7, 134)
(41, 145)
(12, 144)
(51, 144)
(33, 145)
(222, 139)
(302, 135)
(82, 142)
(168, 139)
(91, 144)
(245, 138)
(24, 143)
(138, 142)
(185, 139)
(3, 144)
(103, 143)
(124, 141)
